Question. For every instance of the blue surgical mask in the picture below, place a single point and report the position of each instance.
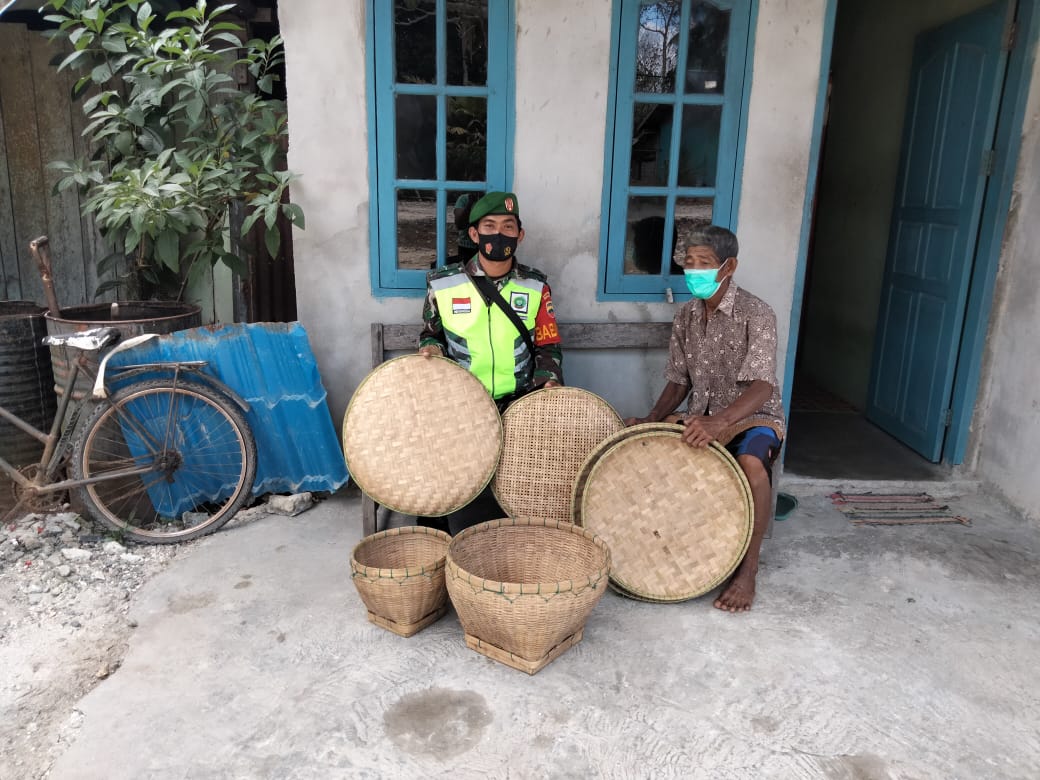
(701, 282)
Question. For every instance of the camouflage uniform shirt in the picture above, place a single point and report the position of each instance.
(548, 354)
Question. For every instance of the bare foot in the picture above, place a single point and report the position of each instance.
(739, 592)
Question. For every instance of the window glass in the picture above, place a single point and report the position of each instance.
(442, 109)
(467, 42)
(699, 145)
(706, 48)
(651, 143)
(644, 236)
(416, 229)
(467, 138)
(415, 33)
(657, 46)
(677, 139)
(416, 137)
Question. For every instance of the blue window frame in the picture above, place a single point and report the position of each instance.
(674, 145)
(441, 119)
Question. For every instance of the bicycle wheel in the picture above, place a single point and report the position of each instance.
(170, 463)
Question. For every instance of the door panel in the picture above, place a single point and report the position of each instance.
(950, 119)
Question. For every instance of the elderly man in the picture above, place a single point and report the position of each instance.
(722, 357)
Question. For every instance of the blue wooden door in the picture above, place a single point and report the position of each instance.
(948, 129)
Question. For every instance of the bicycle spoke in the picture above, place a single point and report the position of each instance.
(200, 474)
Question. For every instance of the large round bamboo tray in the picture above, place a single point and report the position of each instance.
(606, 444)
(677, 518)
(399, 574)
(523, 588)
(547, 435)
(422, 436)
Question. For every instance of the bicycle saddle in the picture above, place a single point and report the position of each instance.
(88, 340)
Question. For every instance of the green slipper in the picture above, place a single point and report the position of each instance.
(785, 504)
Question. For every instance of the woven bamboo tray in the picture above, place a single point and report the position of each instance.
(422, 436)
(547, 436)
(524, 588)
(399, 574)
(677, 518)
(586, 467)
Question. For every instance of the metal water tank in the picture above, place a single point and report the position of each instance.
(26, 379)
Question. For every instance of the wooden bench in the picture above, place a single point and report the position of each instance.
(387, 338)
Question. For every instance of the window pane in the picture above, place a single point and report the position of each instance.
(706, 48)
(467, 138)
(416, 137)
(415, 27)
(417, 229)
(467, 42)
(689, 213)
(657, 46)
(699, 146)
(651, 144)
(644, 235)
(460, 247)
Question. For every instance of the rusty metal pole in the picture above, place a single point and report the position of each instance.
(41, 252)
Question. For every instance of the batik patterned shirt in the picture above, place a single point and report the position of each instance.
(717, 359)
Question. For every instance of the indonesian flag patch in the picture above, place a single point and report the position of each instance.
(460, 306)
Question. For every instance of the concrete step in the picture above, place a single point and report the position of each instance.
(806, 486)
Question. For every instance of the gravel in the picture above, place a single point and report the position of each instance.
(65, 588)
(64, 593)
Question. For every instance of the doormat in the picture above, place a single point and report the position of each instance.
(894, 509)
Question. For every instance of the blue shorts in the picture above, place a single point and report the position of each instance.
(760, 441)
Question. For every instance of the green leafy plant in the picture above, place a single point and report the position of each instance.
(172, 141)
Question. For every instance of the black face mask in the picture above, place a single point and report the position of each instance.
(495, 246)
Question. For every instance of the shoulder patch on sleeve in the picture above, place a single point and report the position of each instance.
(531, 273)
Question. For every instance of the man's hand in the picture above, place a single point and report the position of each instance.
(630, 421)
(551, 383)
(702, 430)
(431, 350)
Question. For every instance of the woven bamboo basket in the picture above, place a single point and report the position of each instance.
(523, 588)
(399, 574)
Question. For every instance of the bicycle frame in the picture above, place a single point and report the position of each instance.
(52, 456)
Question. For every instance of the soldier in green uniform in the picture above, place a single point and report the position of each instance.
(494, 316)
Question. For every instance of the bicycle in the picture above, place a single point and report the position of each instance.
(162, 454)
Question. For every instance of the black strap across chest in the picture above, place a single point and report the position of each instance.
(489, 292)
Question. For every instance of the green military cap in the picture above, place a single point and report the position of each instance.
(495, 203)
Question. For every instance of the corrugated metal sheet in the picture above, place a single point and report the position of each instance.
(272, 367)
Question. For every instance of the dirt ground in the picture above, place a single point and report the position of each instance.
(65, 589)
(64, 593)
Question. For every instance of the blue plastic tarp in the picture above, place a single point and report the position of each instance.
(271, 366)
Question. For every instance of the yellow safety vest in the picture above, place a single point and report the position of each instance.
(482, 338)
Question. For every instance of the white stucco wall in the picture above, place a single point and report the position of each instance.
(1006, 429)
(562, 77)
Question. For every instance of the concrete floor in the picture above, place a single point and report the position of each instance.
(844, 445)
(871, 653)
